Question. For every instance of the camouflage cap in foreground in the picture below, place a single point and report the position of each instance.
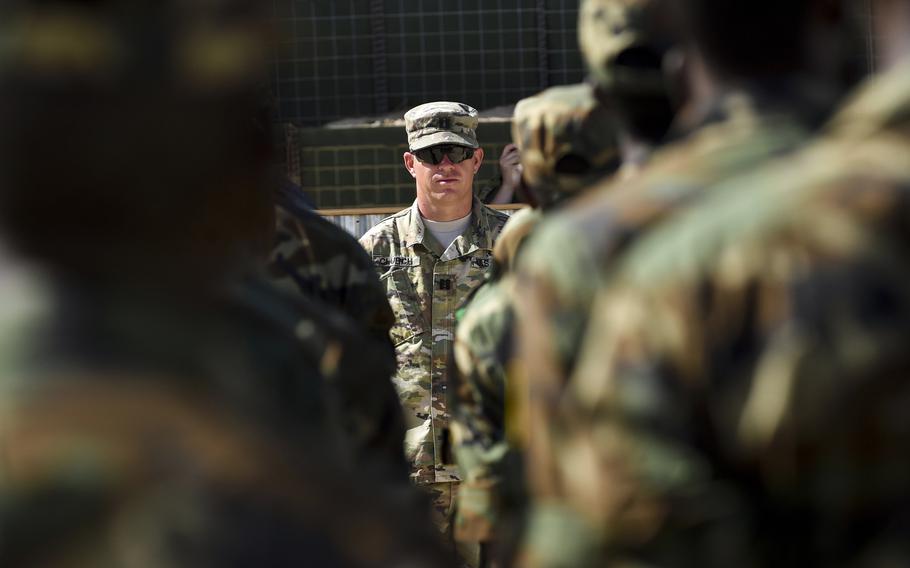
(441, 122)
(607, 29)
(566, 139)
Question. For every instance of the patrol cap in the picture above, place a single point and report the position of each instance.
(441, 122)
(567, 139)
(609, 31)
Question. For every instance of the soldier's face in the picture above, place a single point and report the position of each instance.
(445, 182)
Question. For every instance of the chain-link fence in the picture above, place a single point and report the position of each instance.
(349, 59)
(357, 58)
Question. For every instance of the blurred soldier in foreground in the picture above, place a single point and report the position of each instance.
(316, 259)
(430, 257)
(741, 398)
(322, 261)
(153, 413)
(751, 100)
(567, 140)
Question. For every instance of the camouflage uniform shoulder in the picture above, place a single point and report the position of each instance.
(321, 260)
(484, 312)
(493, 219)
(617, 209)
(513, 236)
(325, 239)
(393, 228)
(561, 246)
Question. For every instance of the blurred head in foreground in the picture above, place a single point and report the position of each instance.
(132, 143)
(567, 141)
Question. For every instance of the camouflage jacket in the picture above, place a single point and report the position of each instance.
(492, 477)
(567, 258)
(162, 433)
(322, 261)
(741, 396)
(425, 285)
(342, 305)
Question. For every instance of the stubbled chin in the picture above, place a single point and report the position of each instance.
(448, 189)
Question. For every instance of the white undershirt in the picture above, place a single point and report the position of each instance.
(447, 231)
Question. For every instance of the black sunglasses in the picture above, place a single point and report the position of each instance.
(434, 154)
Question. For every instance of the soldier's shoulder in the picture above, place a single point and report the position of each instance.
(386, 229)
(497, 219)
(780, 205)
(321, 236)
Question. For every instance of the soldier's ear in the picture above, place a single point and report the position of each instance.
(409, 160)
(477, 159)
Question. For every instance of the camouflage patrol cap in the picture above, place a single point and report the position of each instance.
(608, 31)
(566, 137)
(441, 122)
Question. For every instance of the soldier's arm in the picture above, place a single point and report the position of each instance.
(478, 412)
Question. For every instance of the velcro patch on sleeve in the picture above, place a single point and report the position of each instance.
(481, 263)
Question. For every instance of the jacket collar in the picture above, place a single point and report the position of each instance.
(476, 236)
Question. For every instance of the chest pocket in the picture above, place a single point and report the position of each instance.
(406, 303)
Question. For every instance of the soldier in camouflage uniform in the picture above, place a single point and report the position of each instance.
(314, 258)
(567, 140)
(741, 396)
(148, 417)
(426, 280)
(771, 112)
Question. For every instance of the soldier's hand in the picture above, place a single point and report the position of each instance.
(510, 166)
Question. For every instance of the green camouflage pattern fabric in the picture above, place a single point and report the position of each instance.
(567, 141)
(741, 396)
(425, 285)
(322, 261)
(356, 371)
(491, 477)
(145, 431)
(315, 259)
(567, 259)
(441, 122)
(607, 29)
